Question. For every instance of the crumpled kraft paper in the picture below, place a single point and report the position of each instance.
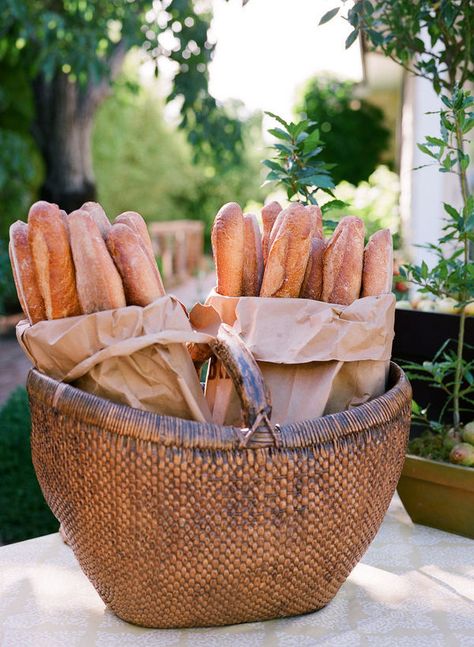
(316, 358)
(133, 355)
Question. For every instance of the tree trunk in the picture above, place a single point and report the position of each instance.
(63, 130)
(63, 126)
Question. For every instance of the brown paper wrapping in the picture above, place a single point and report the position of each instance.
(316, 358)
(131, 355)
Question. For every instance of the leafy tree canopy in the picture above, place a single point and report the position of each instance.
(396, 27)
(85, 38)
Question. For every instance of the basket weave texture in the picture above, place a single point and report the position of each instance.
(177, 524)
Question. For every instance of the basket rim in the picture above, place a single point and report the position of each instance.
(169, 431)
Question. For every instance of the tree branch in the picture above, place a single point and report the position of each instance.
(99, 91)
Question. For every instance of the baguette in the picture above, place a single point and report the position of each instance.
(269, 215)
(48, 237)
(288, 255)
(228, 247)
(135, 221)
(99, 216)
(317, 218)
(139, 276)
(377, 272)
(342, 262)
(98, 282)
(313, 279)
(279, 221)
(29, 295)
(253, 266)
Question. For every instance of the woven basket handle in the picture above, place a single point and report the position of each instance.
(250, 386)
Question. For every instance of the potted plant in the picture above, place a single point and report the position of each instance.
(436, 41)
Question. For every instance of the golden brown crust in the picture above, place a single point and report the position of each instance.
(136, 222)
(48, 236)
(279, 221)
(253, 265)
(200, 353)
(288, 256)
(138, 274)
(98, 282)
(317, 218)
(313, 279)
(99, 216)
(24, 275)
(269, 215)
(377, 272)
(342, 263)
(228, 247)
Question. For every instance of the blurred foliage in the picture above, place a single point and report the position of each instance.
(19, 160)
(8, 299)
(143, 163)
(83, 38)
(23, 510)
(352, 129)
(376, 201)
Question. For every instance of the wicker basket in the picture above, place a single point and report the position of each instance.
(181, 524)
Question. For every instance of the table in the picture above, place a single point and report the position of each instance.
(413, 587)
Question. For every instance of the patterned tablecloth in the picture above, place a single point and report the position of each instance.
(413, 587)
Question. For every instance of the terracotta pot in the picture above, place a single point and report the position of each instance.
(438, 494)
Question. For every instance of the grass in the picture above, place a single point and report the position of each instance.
(23, 510)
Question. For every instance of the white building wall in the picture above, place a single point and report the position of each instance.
(423, 191)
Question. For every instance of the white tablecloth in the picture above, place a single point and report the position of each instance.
(414, 587)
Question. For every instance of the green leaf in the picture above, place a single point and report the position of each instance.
(279, 133)
(322, 181)
(279, 119)
(301, 137)
(450, 210)
(273, 165)
(330, 224)
(424, 149)
(468, 125)
(376, 38)
(274, 176)
(415, 407)
(283, 148)
(447, 101)
(351, 38)
(469, 224)
(329, 15)
(311, 141)
(368, 8)
(333, 204)
(436, 141)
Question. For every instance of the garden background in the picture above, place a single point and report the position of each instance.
(158, 107)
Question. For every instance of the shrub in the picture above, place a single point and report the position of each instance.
(352, 129)
(23, 510)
